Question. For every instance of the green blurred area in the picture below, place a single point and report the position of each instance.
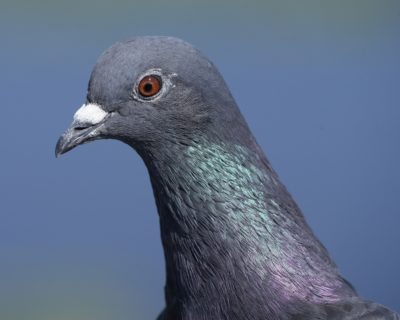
(208, 18)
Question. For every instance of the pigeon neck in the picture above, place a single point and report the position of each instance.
(229, 228)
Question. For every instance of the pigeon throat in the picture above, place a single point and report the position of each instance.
(230, 229)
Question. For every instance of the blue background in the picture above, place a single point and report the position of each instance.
(318, 82)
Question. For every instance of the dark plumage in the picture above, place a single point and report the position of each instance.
(236, 244)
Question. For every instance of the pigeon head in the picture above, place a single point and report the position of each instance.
(150, 91)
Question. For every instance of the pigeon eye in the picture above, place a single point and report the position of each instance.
(149, 86)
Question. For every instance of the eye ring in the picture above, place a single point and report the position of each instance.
(149, 86)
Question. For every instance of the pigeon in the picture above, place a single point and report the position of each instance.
(236, 244)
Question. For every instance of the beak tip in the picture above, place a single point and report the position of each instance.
(60, 146)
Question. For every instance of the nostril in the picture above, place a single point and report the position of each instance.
(80, 128)
(81, 125)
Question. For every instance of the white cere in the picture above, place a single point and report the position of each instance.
(89, 114)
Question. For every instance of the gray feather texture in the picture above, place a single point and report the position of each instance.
(236, 244)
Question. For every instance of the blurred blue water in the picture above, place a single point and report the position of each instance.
(318, 84)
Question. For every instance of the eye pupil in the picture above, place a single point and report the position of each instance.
(149, 86)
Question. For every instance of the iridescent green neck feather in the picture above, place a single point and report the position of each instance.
(228, 224)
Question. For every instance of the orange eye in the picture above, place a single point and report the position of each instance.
(149, 86)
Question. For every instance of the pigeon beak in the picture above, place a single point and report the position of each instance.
(85, 127)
